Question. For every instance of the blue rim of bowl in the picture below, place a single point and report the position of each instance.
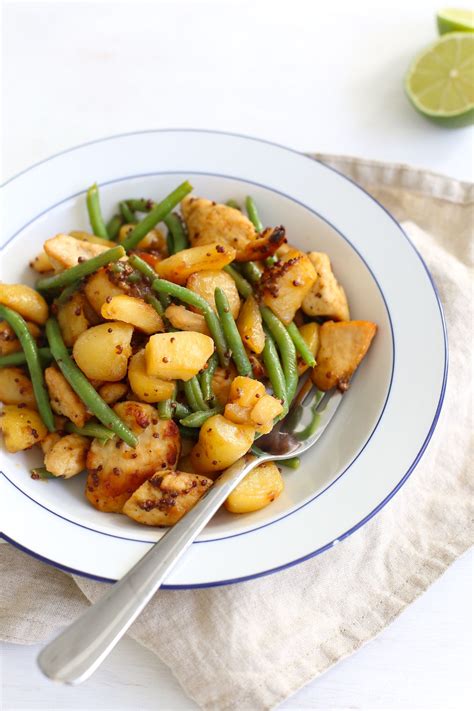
(426, 441)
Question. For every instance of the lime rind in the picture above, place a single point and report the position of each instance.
(455, 20)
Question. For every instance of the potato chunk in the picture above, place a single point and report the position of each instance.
(285, 285)
(205, 283)
(166, 497)
(250, 326)
(9, 343)
(342, 347)
(25, 301)
(115, 470)
(310, 333)
(132, 310)
(72, 318)
(221, 382)
(64, 400)
(177, 356)
(65, 251)
(185, 320)
(67, 456)
(221, 443)
(16, 388)
(326, 297)
(22, 427)
(154, 239)
(179, 267)
(148, 388)
(249, 404)
(102, 352)
(258, 489)
(209, 222)
(41, 263)
(99, 288)
(88, 237)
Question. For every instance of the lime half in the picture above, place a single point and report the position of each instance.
(451, 20)
(440, 82)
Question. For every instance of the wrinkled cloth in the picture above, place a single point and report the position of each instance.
(252, 645)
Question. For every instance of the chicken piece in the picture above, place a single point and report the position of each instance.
(115, 470)
(185, 320)
(112, 392)
(327, 297)
(166, 497)
(67, 456)
(209, 222)
(65, 251)
(64, 400)
(264, 246)
(342, 347)
(285, 284)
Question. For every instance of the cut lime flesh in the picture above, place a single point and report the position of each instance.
(452, 20)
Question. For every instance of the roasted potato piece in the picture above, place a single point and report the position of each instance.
(209, 222)
(205, 283)
(258, 489)
(342, 347)
(310, 333)
(250, 326)
(16, 388)
(93, 239)
(25, 301)
(263, 414)
(41, 263)
(326, 297)
(64, 400)
(133, 310)
(249, 404)
(185, 320)
(99, 288)
(177, 356)
(72, 318)
(264, 246)
(67, 456)
(285, 284)
(102, 352)
(22, 427)
(154, 239)
(115, 470)
(147, 387)
(221, 443)
(65, 251)
(179, 267)
(113, 392)
(9, 343)
(246, 391)
(221, 382)
(49, 441)
(166, 497)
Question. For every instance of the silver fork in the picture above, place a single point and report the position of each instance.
(79, 650)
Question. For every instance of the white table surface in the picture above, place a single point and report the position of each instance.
(312, 75)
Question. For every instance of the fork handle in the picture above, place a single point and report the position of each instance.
(78, 651)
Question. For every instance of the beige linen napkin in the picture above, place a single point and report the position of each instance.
(250, 646)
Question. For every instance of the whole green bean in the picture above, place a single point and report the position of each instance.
(301, 345)
(233, 203)
(30, 349)
(19, 358)
(140, 205)
(164, 409)
(162, 286)
(287, 350)
(274, 370)
(251, 272)
(127, 213)
(90, 429)
(180, 409)
(206, 378)
(198, 402)
(67, 293)
(68, 276)
(114, 225)
(252, 212)
(176, 228)
(95, 214)
(196, 419)
(232, 335)
(157, 214)
(82, 387)
(243, 286)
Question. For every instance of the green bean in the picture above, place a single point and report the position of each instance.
(153, 301)
(164, 409)
(157, 214)
(189, 297)
(188, 432)
(43, 473)
(232, 335)
(143, 266)
(169, 243)
(286, 348)
(180, 409)
(82, 387)
(301, 345)
(243, 286)
(196, 419)
(176, 228)
(140, 205)
(67, 293)
(90, 429)
(274, 370)
(270, 261)
(252, 212)
(127, 213)
(68, 276)
(206, 378)
(19, 358)
(292, 463)
(193, 393)
(114, 225)
(28, 343)
(233, 203)
(95, 214)
(251, 272)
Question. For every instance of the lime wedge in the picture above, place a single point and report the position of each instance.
(440, 82)
(451, 20)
